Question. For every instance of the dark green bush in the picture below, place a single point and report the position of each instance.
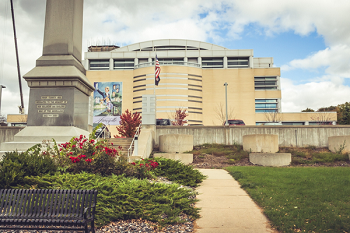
(124, 198)
(178, 172)
(16, 165)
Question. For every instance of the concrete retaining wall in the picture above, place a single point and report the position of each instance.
(7, 133)
(297, 136)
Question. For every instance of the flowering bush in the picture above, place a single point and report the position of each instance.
(148, 164)
(83, 154)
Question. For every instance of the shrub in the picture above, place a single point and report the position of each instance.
(124, 198)
(83, 154)
(178, 172)
(128, 124)
(16, 165)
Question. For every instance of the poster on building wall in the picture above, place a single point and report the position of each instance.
(107, 102)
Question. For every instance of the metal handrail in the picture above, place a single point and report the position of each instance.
(137, 133)
(102, 131)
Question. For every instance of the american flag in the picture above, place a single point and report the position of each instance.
(157, 72)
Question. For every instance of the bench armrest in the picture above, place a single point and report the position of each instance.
(93, 207)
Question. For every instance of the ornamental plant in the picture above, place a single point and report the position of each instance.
(143, 168)
(85, 154)
(180, 115)
(128, 124)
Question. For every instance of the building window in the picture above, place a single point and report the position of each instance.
(212, 62)
(237, 62)
(265, 83)
(170, 61)
(293, 123)
(99, 64)
(124, 64)
(266, 105)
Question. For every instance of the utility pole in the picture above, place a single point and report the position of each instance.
(21, 108)
(226, 124)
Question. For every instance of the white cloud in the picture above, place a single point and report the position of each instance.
(336, 59)
(312, 95)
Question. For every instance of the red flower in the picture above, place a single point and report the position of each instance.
(88, 160)
(141, 164)
(74, 146)
(133, 163)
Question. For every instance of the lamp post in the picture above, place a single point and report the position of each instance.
(226, 123)
(1, 87)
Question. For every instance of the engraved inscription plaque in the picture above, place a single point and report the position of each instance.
(51, 104)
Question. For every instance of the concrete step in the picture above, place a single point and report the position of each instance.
(124, 143)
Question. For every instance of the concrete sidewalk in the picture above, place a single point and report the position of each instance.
(225, 207)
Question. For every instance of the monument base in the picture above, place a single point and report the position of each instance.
(32, 135)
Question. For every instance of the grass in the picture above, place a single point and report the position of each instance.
(300, 199)
(232, 152)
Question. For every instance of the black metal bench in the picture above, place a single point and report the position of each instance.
(43, 209)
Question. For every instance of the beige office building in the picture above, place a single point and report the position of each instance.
(193, 74)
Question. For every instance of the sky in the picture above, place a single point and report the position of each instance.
(308, 39)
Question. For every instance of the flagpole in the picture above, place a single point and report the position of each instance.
(154, 87)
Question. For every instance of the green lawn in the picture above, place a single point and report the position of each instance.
(300, 199)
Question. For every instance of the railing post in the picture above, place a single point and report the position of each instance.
(136, 145)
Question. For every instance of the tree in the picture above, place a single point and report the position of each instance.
(220, 113)
(2, 119)
(308, 110)
(328, 109)
(128, 124)
(273, 117)
(180, 115)
(343, 114)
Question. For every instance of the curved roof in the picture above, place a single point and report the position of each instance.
(170, 44)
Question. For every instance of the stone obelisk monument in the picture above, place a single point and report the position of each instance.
(59, 90)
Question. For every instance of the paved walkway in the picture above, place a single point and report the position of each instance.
(225, 207)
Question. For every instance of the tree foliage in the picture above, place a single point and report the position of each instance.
(128, 124)
(180, 115)
(308, 110)
(343, 114)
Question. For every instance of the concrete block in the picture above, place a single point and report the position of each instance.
(271, 159)
(175, 143)
(267, 143)
(335, 143)
(184, 158)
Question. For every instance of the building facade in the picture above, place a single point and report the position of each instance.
(193, 75)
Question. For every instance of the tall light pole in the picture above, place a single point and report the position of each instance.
(226, 124)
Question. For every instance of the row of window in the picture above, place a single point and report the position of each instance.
(266, 105)
(265, 83)
(297, 123)
(207, 62)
